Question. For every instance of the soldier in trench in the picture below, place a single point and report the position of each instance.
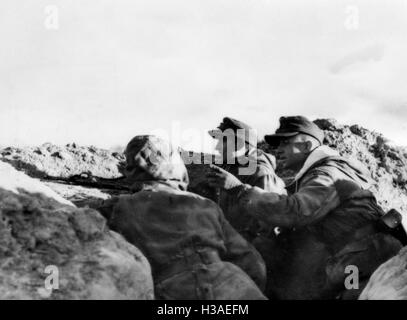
(236, 143)
(193, 251)
(329, 220)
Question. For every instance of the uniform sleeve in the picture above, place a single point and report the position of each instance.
(270, 183)
(314, 199)
(243, 254)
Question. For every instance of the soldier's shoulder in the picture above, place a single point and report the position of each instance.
(110, 201)
(267, 159)
(188, 198)
(325, 169)
(199, 198)
(264, 168)
(320, 169)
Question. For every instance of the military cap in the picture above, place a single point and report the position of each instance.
(250, 135)
(291, 126)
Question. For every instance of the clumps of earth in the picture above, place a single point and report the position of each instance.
(44, 219)
(387, 163)
(50, 249)
(50, 160)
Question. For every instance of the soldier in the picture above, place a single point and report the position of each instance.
(332, 236)
(237, 145)
(193, 251)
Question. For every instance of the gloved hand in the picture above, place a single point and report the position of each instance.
(219, 178)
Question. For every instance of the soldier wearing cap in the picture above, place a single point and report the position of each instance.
(332, 237)
(237, 145)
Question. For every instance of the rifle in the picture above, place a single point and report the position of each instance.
(90, 181)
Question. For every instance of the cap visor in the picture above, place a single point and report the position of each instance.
(274, 139)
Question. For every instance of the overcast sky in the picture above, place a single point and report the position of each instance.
(100, 72)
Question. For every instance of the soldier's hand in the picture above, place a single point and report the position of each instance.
(219, 178)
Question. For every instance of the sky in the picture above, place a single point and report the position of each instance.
(100, 72)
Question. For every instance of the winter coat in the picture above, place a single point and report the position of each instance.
(193, 251)
(264, 178)
(328, 223)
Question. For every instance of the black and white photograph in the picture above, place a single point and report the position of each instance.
(217, 151)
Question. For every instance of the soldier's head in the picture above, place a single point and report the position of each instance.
(234, 138)
(294, 140)
(149, 158)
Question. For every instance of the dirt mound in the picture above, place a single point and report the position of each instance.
(387, 163)
(40, 237)
(63, 161)
(389, 281)
(15, 181)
